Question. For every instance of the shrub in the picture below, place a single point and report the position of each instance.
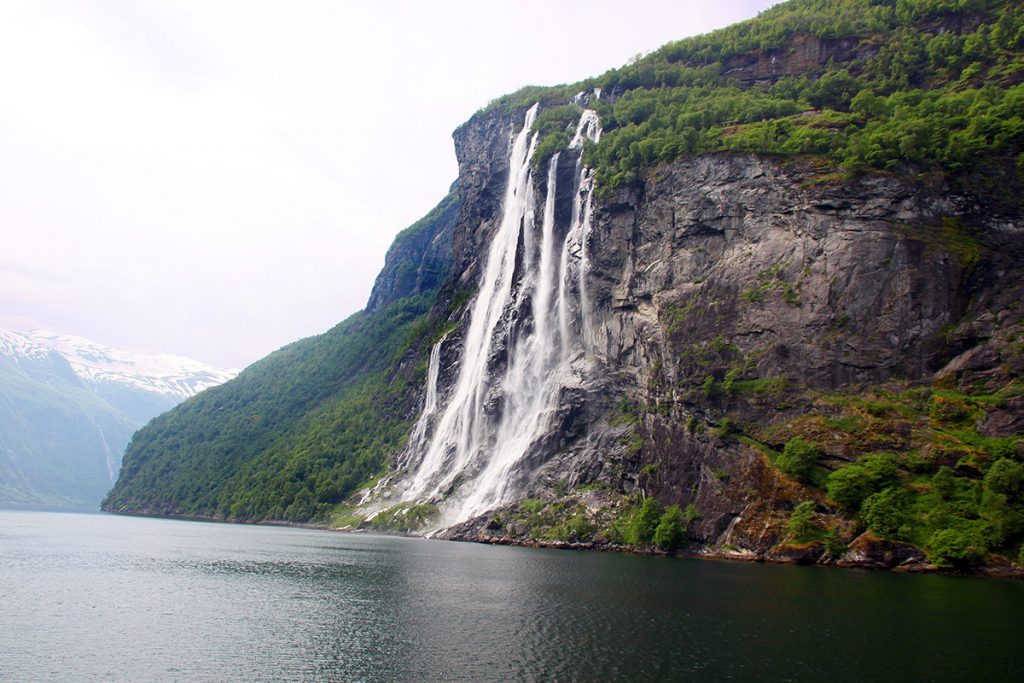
(882, 467)
(849, 486)
(944, 483)
(669, 532)
(726, 428)
(798, 458)
(531, 505)
(834, 546)
(834, 89)
(1001, 499)
(404, 517)
(690, 514)
(1006, 517)
(576, 529)
(1005, 477)
(550, 145)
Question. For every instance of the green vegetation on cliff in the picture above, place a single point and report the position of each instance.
(924, 470)
(895, 85)
(291, 437)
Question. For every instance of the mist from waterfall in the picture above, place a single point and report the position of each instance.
(532, 295)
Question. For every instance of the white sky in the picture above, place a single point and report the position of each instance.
(217, 179)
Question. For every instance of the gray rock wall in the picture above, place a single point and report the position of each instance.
(736, 268)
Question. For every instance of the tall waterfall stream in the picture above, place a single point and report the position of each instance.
(469, 448)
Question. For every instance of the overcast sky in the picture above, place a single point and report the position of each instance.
(217, 179)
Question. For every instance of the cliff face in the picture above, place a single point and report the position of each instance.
(781, 290)
(420, 257)
(735, 297)
(802, 55)
(826, 285)
(482, 148)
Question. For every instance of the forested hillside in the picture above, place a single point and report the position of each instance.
(912, 86)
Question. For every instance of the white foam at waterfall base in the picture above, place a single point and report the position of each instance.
(474, 446)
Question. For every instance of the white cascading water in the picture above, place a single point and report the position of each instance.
(430, 402)
(493, 414)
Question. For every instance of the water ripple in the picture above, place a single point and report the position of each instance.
(91, 597)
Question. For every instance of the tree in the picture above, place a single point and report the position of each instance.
(798, 458)
(882, 468)
(1005, 477)
(849, 486)
(640, 530)
(835, 89)
(1001, 503)
(801, 525)
(669, 532)
(834, 546)
(882, 511)
(959, 546)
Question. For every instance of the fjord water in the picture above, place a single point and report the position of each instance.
(98, 597)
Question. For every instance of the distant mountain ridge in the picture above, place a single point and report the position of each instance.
(95, 363)
(69, 405)
(141, 385)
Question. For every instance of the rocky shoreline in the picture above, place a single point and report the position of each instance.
(865, 552)
(872, 555)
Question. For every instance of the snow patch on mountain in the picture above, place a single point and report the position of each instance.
(96, 364)
(18, 345)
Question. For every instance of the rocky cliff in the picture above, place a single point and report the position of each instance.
(419, 259)
(740, 301)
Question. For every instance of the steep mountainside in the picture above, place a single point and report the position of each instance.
(420, 257)
(68, 407)
(755, 294)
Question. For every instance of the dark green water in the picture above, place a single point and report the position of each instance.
(97, 597)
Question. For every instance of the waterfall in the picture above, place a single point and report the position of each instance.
(471, 449)
(430, 404)
(419, 432)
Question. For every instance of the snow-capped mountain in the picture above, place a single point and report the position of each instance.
(96, 364)
(69, 405)
(34, 359)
